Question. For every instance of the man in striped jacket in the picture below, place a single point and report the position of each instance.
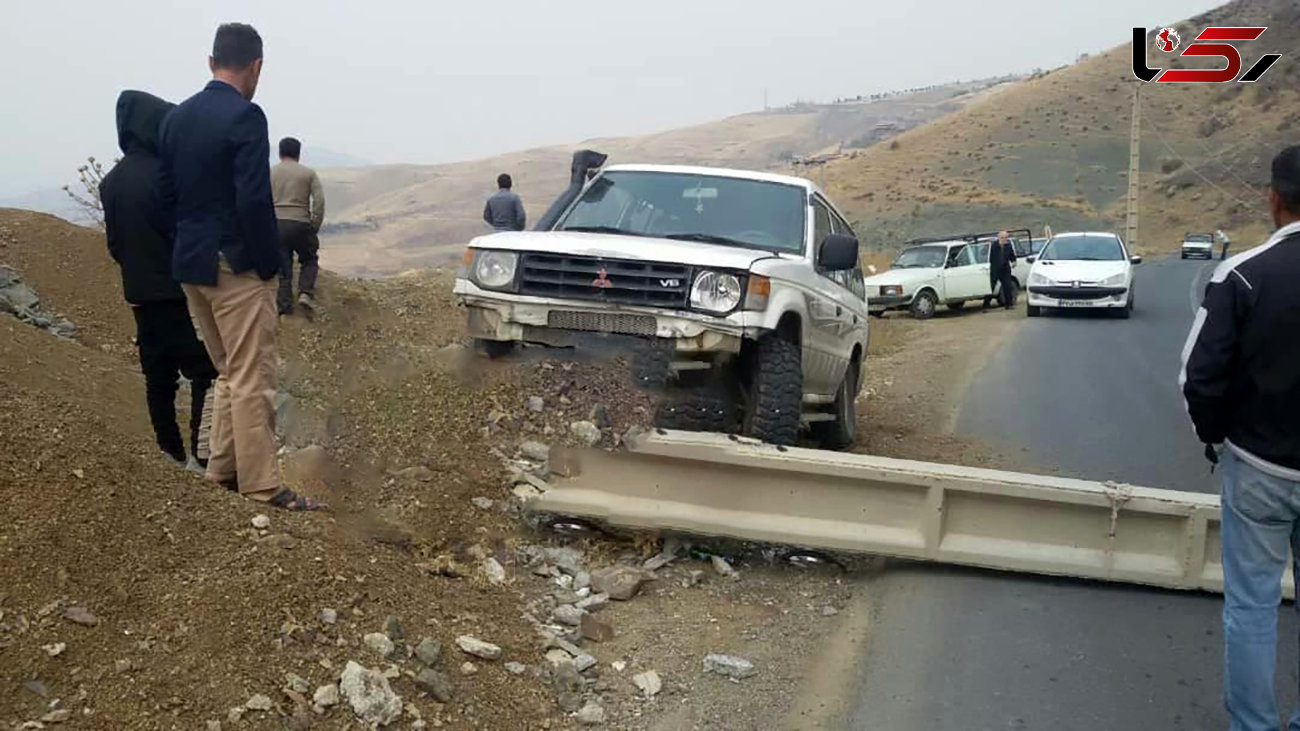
(1241, 379)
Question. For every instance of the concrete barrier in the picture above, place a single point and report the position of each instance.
(716, 485)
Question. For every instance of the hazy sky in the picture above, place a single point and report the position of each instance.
(432, 81)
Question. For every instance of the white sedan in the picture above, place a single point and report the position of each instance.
(1083, 270)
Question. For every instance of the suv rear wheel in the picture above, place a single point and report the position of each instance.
(772, 411)
(841, 433)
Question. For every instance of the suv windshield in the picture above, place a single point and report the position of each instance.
(922, 257)
(1083, 248)
(707, 208)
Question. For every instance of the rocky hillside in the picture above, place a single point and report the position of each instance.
(386, 218)
(1054, 149)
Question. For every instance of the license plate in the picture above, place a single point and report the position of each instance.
(1076, 303)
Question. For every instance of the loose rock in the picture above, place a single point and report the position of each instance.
(296, 683)
(261, 522)
(496, 573)
(591, 715)
(258, 702)
(535, 451)
(569, 702)
(380, 644)
(565, 558)
(435, 684)
(369, 694)
(57, 716)
(468, 668)
(568, 614)
(584, 662)
(393, 628)
(329, 616)
(81, 616)
(516, 668)
(593, 603)
(595, 629)
(621, 583)
(536, 404)
(482, 503)
(729, 666)
(326, 696)
(829, 611)
(648, 682)
(213, 726)
(600, 417)
(721, 566)
(585, 432)
(428, 652)
(55, 649)
(478, 648)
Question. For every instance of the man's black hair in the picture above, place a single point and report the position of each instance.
(236, 46)
(290, 147)
(504, 181)
(1286, 178)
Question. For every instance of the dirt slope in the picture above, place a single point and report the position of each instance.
(1054, 150)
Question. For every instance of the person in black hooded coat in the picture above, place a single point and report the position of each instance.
(140, 229)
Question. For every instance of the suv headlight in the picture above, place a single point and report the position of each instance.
(1113, 281)
(715, 292)
(1038, 279)
(494, 269)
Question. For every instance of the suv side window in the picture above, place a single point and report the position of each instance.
(851, 279)
(821, 224)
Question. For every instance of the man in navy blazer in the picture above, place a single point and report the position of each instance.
(216, 169)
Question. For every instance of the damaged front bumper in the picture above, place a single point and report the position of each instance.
(557, 323)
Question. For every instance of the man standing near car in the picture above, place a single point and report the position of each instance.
(1002, 256)
(227, 254)
(1224, 242)
(504, 210)
(299, 212)
(1241, 379)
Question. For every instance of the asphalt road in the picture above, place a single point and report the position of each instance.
(970, 650)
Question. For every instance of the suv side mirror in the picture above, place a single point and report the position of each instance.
(1135, 260)
(837, 253)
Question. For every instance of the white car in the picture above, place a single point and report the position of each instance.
(1090, 270)
(743, 289)
(1198, 244)
(950, 271)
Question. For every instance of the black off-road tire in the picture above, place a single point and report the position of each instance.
(494, 349)
(843, 432)
(775, 392)
(924, 305)
(705, 410)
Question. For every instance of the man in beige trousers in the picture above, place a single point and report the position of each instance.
(299, 212)
(226, 256)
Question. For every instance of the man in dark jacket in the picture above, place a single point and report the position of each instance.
(1002, 256)
(504, 210)
(1241, 379)
(215, 155)
(139, 229)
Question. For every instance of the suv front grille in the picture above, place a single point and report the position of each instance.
(603, 322)
(652, 284)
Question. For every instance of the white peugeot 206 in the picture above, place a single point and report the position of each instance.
(1083, 270)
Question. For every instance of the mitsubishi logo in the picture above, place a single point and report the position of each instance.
(602, 280)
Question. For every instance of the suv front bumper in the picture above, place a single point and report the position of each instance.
(556, 322)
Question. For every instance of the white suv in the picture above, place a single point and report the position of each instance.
(743, 289)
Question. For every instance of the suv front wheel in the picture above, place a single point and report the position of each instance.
(773, 409)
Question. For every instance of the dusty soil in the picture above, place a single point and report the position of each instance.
(197, 610)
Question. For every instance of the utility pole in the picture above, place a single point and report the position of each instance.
(1134, 157)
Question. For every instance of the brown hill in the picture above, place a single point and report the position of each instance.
(387, 218)
(1054, 150)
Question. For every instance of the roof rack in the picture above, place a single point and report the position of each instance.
(971, 237)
